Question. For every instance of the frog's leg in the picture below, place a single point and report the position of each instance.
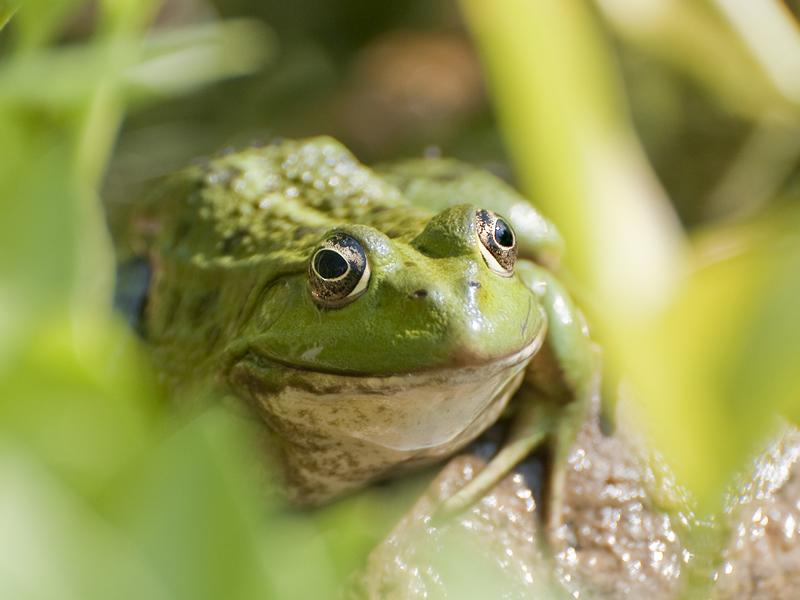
(560, 384)
(438, 183)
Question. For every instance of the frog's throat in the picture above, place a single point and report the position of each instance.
(406, 412)
(341, 431)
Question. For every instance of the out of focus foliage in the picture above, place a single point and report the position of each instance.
(703, 327)
(661, 136)
(705, 333)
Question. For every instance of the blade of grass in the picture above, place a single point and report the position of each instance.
(773, 37)
(7, 10)
(567, 129)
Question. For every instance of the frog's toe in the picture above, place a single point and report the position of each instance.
(530, 429)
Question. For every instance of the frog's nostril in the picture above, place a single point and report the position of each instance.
(419, 294)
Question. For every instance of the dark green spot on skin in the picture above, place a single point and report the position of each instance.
(202, 306)
(213, 336)
(172, 308)
(302, 231)
(181, 230)
(231, 243)
(447, 177)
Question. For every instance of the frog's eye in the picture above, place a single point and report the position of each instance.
(498, 245)
(338, 271)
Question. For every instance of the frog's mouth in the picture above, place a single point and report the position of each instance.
(440, 409)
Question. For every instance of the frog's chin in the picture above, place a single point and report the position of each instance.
(409, 413)
(339, 432)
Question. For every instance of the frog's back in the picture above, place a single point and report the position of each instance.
(270, 202)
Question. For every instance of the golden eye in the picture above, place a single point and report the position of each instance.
(338, 271)
(498, 244)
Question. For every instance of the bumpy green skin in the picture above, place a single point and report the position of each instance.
(230, 241)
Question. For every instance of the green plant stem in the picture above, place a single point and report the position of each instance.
(98, 130)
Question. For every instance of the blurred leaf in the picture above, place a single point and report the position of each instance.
(773, 38)
(178, 61)
(678, 31)
(124, 17)
(760, 167)
(674, 363)
(350, 528)
(39, 21)
(685, 340)
(763, 370)
(38, 228)
(80, 397)
(564, 120)
(192, 510)
(7, 10)
(716, 367)
(167, 62)
(71, 74)
(54, 545)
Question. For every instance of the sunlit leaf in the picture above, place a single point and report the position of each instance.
(80, 396)
(192, 508)
(178, 61)
(7, 10)
(720, 363)
(763, 370)
(773, 38)
(54, 545)
(37, 22)
(683, 339)
(166, 62)
(678, 31)
(564, 120)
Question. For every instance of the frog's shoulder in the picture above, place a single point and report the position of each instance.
(441, 182)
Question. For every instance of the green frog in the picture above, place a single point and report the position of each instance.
(378, 320)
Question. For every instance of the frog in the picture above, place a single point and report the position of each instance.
(377, 320)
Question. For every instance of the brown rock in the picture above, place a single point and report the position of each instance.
(616, 539)
(490, 551)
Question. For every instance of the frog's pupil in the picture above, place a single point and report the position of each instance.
(503, 234)
(330, 264)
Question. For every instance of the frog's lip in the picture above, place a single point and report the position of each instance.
(469, 368)
(416, 416)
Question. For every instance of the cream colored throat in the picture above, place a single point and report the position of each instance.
(406, 413)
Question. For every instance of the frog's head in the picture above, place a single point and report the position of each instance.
(370, 305)
(409, 343)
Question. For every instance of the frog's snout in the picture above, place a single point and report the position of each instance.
(422, 293)
(453, 312)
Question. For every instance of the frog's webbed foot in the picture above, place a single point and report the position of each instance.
(536, 422)
(570, 421)
(530, 427)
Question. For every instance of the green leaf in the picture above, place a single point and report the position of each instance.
(79, 396)
(167, 62)
(563, 115)
(191, 507)
(38, 22)
(7, 10)
(54, 544)
(710, 353)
